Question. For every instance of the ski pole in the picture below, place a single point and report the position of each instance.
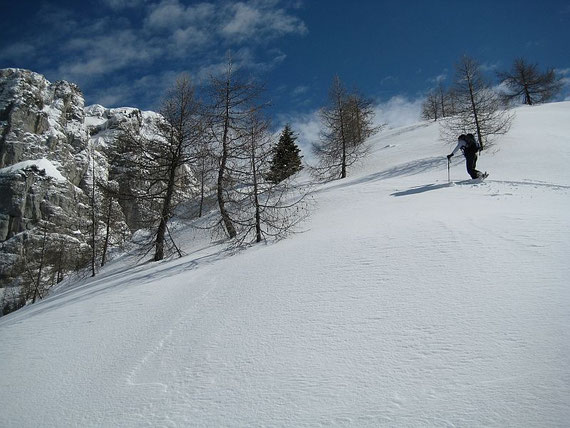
(448, 176)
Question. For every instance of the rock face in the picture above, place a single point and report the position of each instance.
(40, 119)
(104, 126)
(50, 145)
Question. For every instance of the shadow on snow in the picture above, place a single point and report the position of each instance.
(409, 168)
(126, 277)
(420, 189)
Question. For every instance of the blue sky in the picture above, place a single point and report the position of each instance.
(126, 52)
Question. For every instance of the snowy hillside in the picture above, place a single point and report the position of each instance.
(404, 302)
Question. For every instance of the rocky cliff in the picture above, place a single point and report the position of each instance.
(50, 147)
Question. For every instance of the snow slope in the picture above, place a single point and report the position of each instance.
(405, 302)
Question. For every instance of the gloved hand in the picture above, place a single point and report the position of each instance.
(449, 156)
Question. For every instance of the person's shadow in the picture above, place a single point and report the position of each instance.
(420, 189)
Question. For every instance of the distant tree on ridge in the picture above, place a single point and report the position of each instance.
(525, 82)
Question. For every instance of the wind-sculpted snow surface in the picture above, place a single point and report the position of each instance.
(442, 307)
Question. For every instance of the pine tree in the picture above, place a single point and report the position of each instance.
(286, 159)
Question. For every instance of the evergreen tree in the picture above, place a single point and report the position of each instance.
(286, 159)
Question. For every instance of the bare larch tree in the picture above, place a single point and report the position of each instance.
(526, 83)
(231, 99)
(477, 106)
(161, 160)
(430, 107)
(347, 121)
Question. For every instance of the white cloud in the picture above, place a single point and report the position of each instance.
(168, 14)
(213, 69)
(259, 21)
(123, 4)
(102, 54)
(440, 78)
(172, 15)
(17, 51)
(300, 90)
(190, 38)
(533, 44)
(236, 22)
(388, 80)
(114, 97)
(244, 21)
(398, 111)
(564, 74)
(149, 88)
(193, 36)
(488, 68)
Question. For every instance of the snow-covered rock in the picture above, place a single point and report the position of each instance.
(42, 120)
(43, 166)
(50, 144)
(43, 148)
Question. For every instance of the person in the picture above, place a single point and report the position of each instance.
(469, 146)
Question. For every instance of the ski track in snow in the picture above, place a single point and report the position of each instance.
(404, 303)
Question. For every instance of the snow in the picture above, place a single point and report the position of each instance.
(41, 164)
(403, 302)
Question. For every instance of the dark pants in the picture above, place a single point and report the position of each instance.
(471, 163)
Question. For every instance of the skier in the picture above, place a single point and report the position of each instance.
(469, 146)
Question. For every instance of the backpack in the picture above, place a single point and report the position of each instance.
(472, 146)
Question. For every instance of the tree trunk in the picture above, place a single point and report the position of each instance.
(343, 139)
(202, 186)
(93, 220)
(161, 232)
(40, 268)
(107, 233)
(59, 270)
(255, 191)
(221, 201)
(475, 115)
(358, 125)
(527, 98)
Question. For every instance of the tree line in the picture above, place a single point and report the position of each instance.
(220, 153)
